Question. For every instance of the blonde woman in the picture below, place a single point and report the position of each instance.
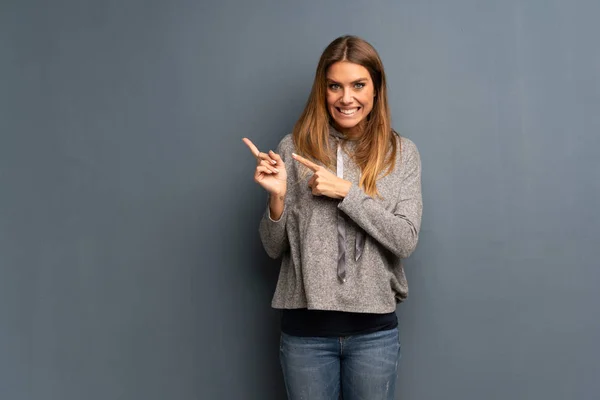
(344, 209)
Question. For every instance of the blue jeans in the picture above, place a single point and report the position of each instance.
(356, 367)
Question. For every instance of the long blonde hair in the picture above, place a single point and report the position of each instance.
(377, 146)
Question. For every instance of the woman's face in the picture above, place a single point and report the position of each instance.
(350, 96)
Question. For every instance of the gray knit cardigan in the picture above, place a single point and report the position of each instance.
(306, 235)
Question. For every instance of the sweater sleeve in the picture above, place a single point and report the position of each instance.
(397, 230)
(273, 233)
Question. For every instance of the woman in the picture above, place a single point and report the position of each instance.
(344, 209)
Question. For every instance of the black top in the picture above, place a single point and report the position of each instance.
(303, 322)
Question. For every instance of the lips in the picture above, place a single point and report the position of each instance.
(348, 112)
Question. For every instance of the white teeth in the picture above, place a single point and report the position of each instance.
(348, 112)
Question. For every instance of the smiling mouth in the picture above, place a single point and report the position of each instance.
(348, 111)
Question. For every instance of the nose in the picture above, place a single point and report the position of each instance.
(346, 97)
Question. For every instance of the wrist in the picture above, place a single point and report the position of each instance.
(276, 205)
(344, 188)
(278, 195)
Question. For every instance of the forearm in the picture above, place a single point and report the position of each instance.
(398, 231)
(397, 227)
(276, 205)
(272, 226)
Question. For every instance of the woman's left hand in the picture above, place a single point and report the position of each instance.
(324, 182)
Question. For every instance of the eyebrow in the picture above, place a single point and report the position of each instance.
(356, 81)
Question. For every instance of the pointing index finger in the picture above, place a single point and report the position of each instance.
(311, 165)
(252, 147)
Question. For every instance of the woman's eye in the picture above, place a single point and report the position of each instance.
(359, 85)
(334, 86)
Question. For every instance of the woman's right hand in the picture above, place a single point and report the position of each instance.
(270, 170)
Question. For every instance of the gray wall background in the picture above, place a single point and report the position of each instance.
(130, 263)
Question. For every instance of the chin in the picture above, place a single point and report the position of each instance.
(346, 124)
